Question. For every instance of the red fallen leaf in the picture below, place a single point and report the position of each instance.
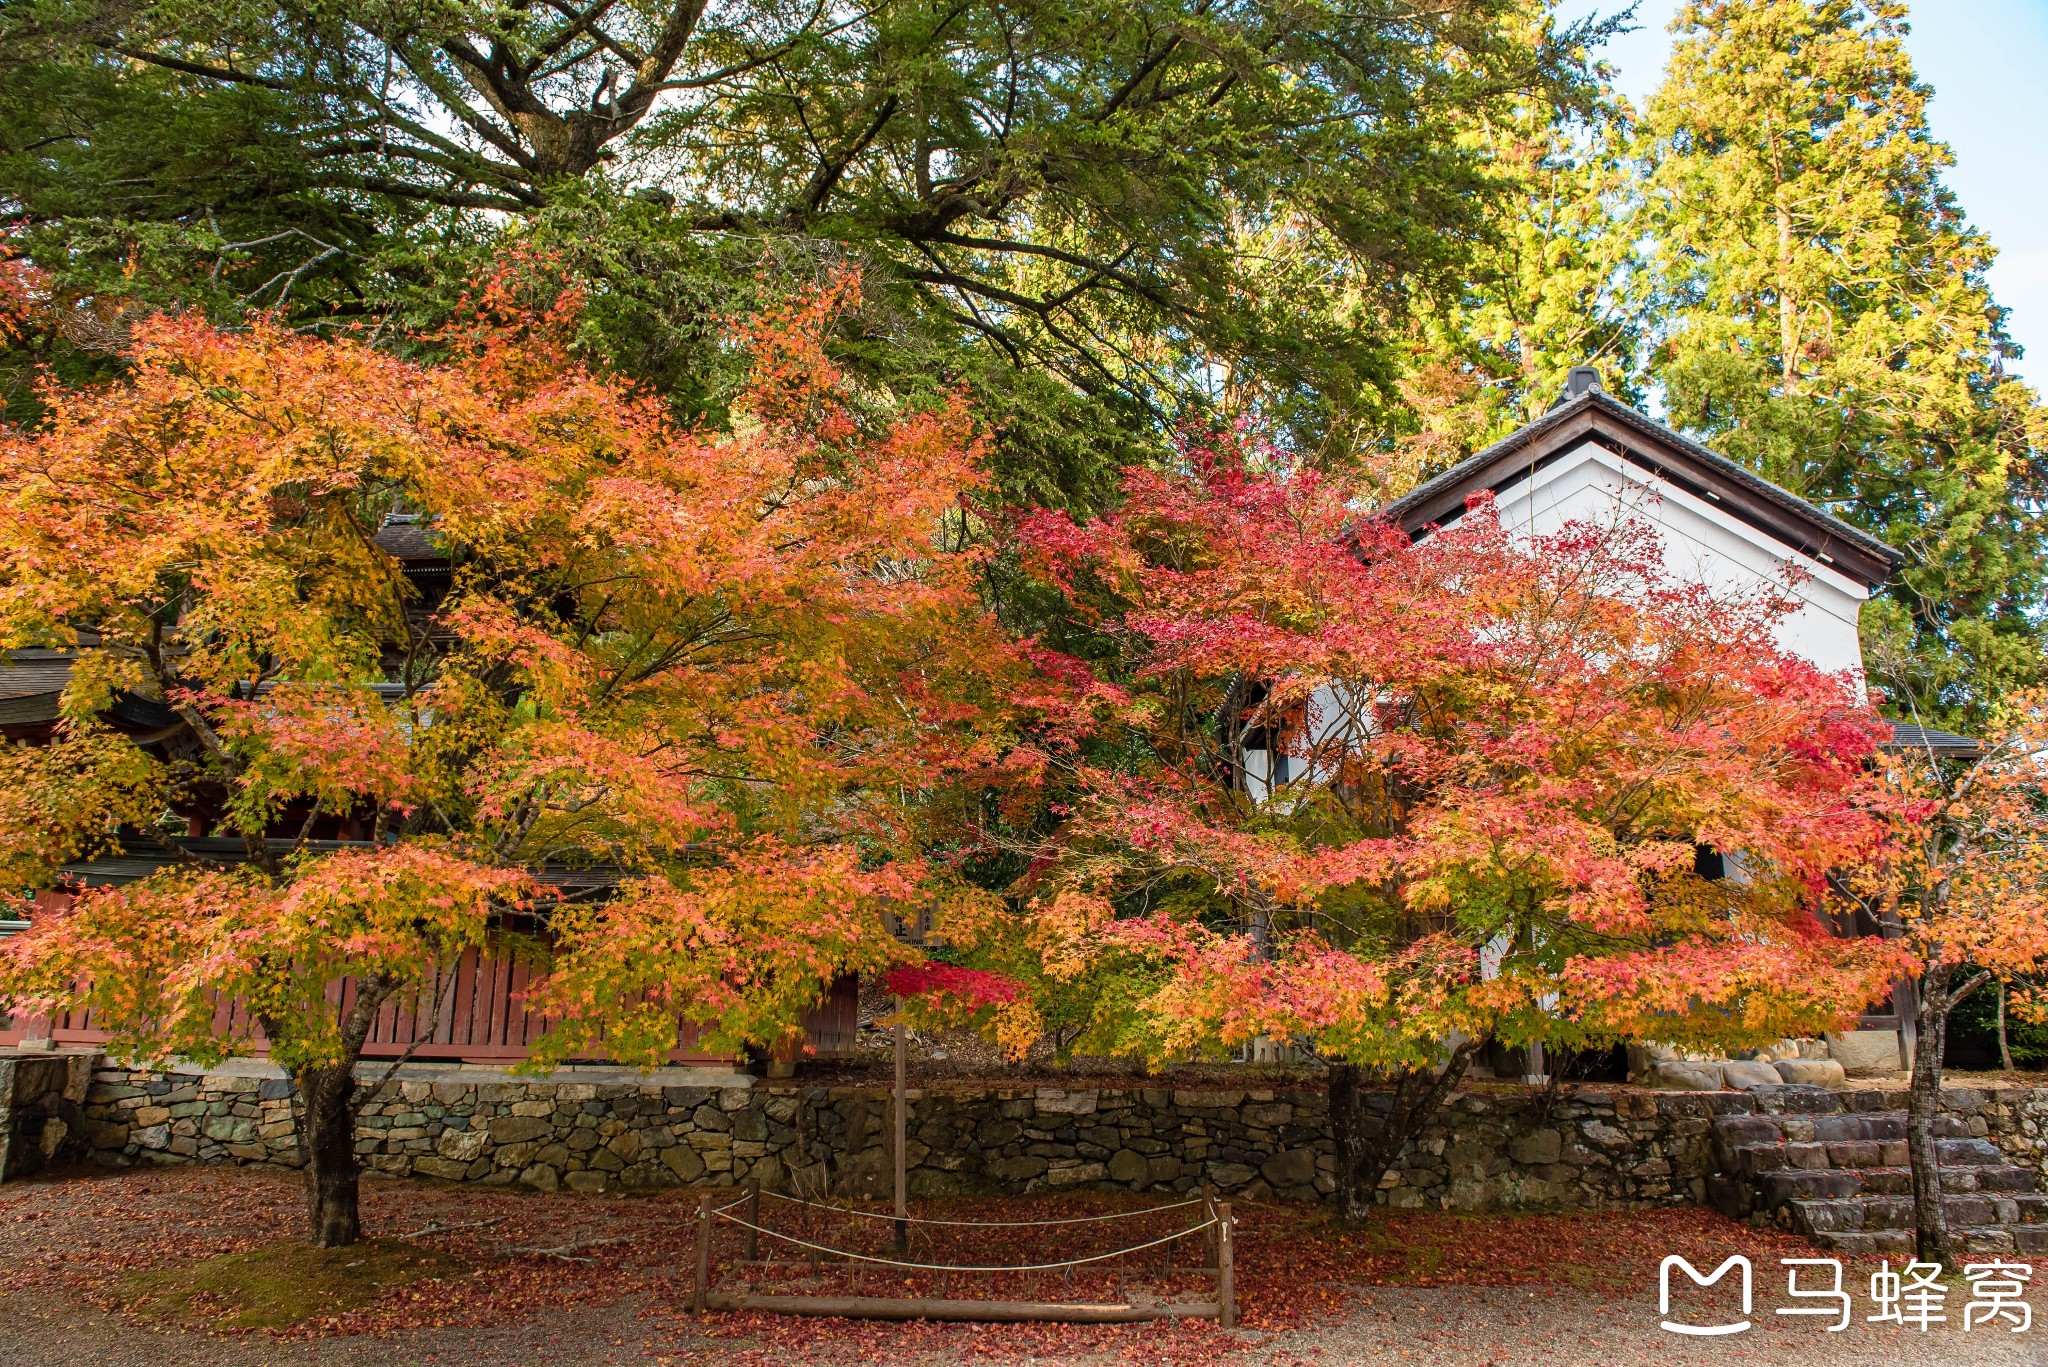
(1296, 1266)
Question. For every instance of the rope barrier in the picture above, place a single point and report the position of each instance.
(981, 1224)
(955, 1267)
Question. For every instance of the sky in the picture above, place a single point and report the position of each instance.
(1987, 61)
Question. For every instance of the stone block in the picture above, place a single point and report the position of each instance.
(1072, 1175)
(683, 1162)
(1540, 1146)
(1207, 1101)
(1057, 1101)
(1294, 1168)
(1741, 1073)
(229, 1130)
(461, 1146)
(1812, 1072)
(1866, 1053)
(1128, 1165)
(1679, 1075)
(585, 1181)
(515, 1129)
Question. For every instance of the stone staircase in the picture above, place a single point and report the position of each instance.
(1803, 1163)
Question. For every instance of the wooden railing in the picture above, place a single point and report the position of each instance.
(481, 1018)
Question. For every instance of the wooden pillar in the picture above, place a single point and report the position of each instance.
(1226, 1269)
(753, 1239)
(700, 1292)
(1906, 1006)
(902, 1124)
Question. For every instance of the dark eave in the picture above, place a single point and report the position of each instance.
(32, 684)
(1596, 416)
(140, 857)
(1928, 740)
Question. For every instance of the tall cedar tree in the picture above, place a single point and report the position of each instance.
(726, 668)
(1554, 284)
(1503, 756)
(1823, 317)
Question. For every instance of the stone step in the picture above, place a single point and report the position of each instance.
(1872, 1213)
(1795, 1099)
(1964, 1152)
(1749, 1160)
(1734, 1130)
(1859, 1153)
(1974, 1238)
(1771, 1189)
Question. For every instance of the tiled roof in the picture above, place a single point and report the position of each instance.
(1906, 736)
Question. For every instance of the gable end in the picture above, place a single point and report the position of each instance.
(1781, 515)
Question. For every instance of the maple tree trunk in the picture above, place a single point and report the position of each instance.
(1369, 1142)
(1930, 1222)
(328, 1101)
(327, 1140)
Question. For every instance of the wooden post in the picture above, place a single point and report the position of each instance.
(700, 1296)
(753, 1239)
(1209, 1234)
(1226, 1270)
(1906, 1007)
(902, 1129)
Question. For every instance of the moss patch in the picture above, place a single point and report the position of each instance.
(281, 1284)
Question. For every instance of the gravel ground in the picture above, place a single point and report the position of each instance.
(1424, 1327)
(1409, 1292)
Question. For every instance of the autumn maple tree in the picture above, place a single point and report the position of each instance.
(1503, 757)
(721, 667)
(1964, 890)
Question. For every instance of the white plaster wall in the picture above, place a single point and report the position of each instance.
(1701, 542)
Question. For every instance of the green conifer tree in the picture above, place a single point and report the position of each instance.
(1823, 316)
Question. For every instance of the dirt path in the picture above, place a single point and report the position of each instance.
(1423, 1327)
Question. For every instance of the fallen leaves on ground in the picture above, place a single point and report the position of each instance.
(532, 1257)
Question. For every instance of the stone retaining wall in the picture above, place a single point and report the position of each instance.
(42, 1122)
(1596, 1149)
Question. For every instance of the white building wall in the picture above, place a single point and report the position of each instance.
(1702, 543)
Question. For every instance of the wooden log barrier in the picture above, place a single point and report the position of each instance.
(983, 1312)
